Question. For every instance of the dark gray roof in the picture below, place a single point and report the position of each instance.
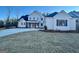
(52, 14)
(74, 14)
(24, 17)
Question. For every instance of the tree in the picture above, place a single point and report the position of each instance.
(17, 13)
(11, 23)
(8, 24)
(8, 13)
(14, 22)
(1, 23)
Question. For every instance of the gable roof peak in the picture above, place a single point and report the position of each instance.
(52, 14)
(35, 11)
(62, 11)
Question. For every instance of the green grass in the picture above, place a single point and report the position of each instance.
(40, 42)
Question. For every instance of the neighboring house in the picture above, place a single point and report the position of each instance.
(75, 14)
(55, 21)
(61, 21)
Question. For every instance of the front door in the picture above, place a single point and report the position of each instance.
(77, 25)
(33, 25)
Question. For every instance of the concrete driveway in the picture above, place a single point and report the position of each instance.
(13, 31)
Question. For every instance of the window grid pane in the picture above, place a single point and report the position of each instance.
(41, 18)
(61, 22)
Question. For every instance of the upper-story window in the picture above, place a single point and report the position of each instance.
(41, 24)
(30, 18)
(37, 18)
(33, 18)
(61, 22)
(41, 18)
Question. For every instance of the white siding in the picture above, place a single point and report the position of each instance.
(21, 23)
(72, 24)
(37, 17)
(63, 28)
(49, 23)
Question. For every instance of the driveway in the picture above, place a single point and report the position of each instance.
(13, 31)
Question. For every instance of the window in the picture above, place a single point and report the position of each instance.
(61, 22)
(37, 24)
(41, 18)
(41, 24)
(76, 20)
(33, 18)
(30, 18)
(24, 23)
(37, 18)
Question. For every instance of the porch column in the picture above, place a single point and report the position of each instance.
(28, 25)
(31, 25)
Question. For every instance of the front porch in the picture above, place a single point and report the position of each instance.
(32, 24)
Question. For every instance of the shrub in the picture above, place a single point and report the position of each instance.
(1, 23)
(8, 24)
(14, 22)
(11, 23)
(45, 27)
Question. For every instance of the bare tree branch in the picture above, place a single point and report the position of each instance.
(8, 13)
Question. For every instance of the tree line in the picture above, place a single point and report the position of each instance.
(8, 23)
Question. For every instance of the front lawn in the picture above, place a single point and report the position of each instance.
(40, 42)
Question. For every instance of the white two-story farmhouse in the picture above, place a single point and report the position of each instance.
(55, 21)
(35, 20)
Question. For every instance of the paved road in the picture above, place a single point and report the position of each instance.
(13, 31)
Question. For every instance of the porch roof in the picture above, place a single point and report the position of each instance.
(32, 21)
